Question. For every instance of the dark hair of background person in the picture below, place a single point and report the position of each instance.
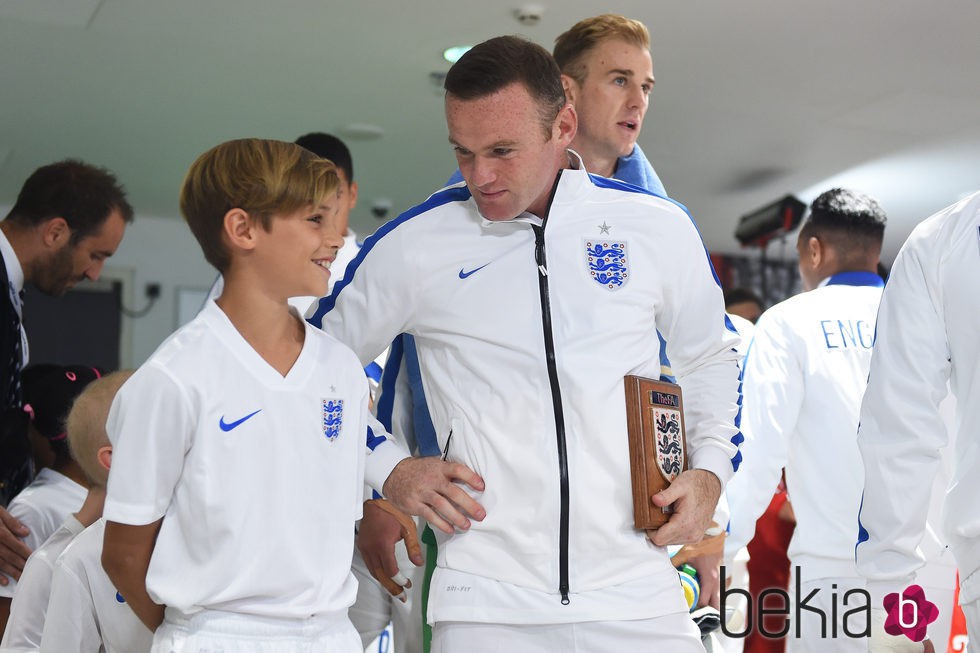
(49, 391)
(83, 194)
(740, 294)
(847, 219)
(328, 146)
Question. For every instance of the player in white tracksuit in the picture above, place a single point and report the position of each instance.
(926, 339)
(804, 377)
(529, 302)
(471, 293)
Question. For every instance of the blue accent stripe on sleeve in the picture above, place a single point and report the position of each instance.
(373, 371)
(425, 430)
(738, 438)
(386, 399)
(374, 440)
(730, 326)
(666, 372)
(445, 196)
(863, 535)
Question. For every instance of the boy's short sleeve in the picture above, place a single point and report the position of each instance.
(151, 424)
(72, 625)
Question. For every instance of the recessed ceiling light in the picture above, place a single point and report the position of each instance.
(453, 54)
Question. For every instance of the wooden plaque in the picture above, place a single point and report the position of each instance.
(658, 449)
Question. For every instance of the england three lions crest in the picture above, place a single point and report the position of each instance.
(608, 263)
(670, 443)
(333, 417)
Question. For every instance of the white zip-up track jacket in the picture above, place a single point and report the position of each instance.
(927, 341)
(523, 342)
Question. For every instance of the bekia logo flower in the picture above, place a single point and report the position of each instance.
(909, 613)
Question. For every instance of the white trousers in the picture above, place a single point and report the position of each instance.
(674, 633)
(227, 632)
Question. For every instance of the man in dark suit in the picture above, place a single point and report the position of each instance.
(69, 218)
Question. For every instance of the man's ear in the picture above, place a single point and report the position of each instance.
(566, 124)
(55, 232)
(104, 456)
(239, 228)
(571, 88)
(353, 194)
(816, 251)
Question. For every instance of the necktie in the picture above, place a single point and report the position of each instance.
(13, 398)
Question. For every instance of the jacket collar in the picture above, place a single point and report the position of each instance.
(854, 278)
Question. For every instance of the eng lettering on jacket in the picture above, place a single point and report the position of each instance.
(848, 334)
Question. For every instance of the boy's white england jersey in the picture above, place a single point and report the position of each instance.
(258, 476)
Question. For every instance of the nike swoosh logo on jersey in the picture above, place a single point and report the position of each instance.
(226, 426)
(463, 275)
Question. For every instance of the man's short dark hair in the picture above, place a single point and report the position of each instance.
(83, 194)
(501, 61)
(328, 146)
(847, 219)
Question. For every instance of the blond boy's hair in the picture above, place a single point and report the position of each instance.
(572, 46)
(86, 424)
(260, 177)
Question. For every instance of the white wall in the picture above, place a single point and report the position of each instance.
(156, 250)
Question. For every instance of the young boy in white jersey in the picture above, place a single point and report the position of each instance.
(239, 446)
(84, 611)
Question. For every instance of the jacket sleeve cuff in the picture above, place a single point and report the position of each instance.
(380, 462)
(715, 461)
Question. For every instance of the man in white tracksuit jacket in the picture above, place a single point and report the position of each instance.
(805, 373)
(531, 291)
(927, 340)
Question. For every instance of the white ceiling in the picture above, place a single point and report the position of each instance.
(754, 99)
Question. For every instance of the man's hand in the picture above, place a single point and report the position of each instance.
(694, 494)
(13, 551)
(428, 487)
(882, 642)
(381, 527)
(706, 557)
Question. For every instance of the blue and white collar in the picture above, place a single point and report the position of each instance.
(854, 278)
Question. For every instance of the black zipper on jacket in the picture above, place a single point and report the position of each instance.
(549, 346)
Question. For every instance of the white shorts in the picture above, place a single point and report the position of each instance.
(675, 633)
(212, 631)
